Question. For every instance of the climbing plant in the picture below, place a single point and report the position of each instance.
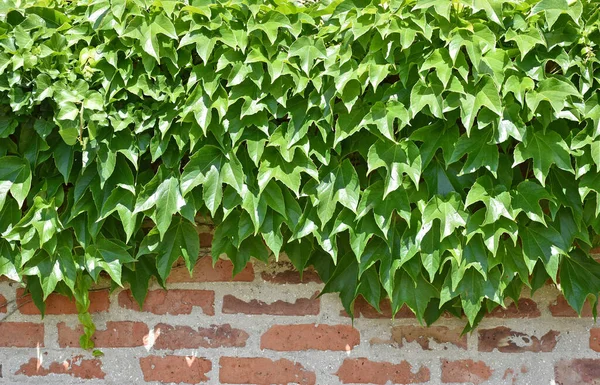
(438, 154)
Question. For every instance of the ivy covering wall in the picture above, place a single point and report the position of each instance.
(442, 154)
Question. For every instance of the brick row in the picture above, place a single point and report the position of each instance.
(265, 371)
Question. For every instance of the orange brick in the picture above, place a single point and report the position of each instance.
(172, 301)
(364, 371)
(118, 334)
(263, 371)
(178, 369)
(310, 336)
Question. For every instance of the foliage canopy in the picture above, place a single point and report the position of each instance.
(443, 154)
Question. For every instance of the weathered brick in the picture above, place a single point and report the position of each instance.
(21, 334)
(310, 336)
(364, 371)
(75, 367)
(189, 370)
(595, 339)
(525, 308)
(424, 335)
(186, 337)
(60, 304)
(3, 304)
(205, 272)
(172, 301)
(263, 371)
(364, 309)
(511, 341)
(577, 371)
(284, 272)
(118, 334)
(205, 239)
(561, 308)
(302, 306)
(465, 371)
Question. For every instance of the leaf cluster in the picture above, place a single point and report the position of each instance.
(438, 154)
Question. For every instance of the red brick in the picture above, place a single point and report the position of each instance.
(263, 371)
(204, 272)
(363, 371)
(284, 272)
(172, 301)
(424, 335)
(364, 309)
(465, 371)
(189, 370)
(527, 308)
(510, 341)
(595, 339)
(561, 308)
(310, 336)
(186, 337)
(577, 372)
(3, 304)
(60, 304)
(75, 367)
(302, 306)
(21, 334)
(118, 334)
(205, 239)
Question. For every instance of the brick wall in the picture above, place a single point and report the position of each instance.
(267, 327)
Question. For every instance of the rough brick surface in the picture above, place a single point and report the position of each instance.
(174, 302)
(263, 371)
(118, 334)
(561, 308)
(59, 304)
(3, 304)
(211, 329)
(284, 273)
(302, 306)
(511, 341)
(21, 334)
(186, 337)
(465, 371)
(577, 372)
(425, 335)
(310, 337)
(178, 369)
(364, 371)
(204, 272)
(75, 367)
(525, 308)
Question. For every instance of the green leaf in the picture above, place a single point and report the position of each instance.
(495, 198)
(580, 278)
(545, 149)
(554, 8)
(180, 240)
(15, 176)
(527, 199)
(397, 159)
(107, 255)
(486, 95)
(162, 195)
(525, 41)
(339, 184)
(555, 91)
(480, 150)
(448, 212)
(308, 51)
(415, 294)
(544, 243)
